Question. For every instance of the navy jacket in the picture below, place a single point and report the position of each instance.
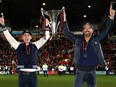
(95, 41)
(28, 61)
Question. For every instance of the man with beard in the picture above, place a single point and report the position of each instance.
(88, 52)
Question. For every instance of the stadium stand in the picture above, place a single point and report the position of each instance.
(54, 52)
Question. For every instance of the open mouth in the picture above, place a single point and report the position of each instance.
(87, 32)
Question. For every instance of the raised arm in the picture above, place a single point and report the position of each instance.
(11, 39)
(44, 39)
(66, 30)
(108, 26)
(8, 36)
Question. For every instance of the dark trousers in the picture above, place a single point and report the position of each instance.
(27, 79)
(45, 73)
(60, 73)
(85, 76)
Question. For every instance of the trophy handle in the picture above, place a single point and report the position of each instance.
(60, 11)
(60, 24)
(63, 8)
(42, 12)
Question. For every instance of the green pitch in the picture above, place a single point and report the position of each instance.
(56, 81)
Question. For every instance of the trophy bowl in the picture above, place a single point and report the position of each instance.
(56, 19)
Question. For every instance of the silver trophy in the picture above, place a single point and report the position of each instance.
(55, 21)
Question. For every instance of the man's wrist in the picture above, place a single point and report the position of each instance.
(64, 19)
(47, 28)
(111, 17)
(4, 28)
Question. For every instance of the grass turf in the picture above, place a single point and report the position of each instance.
(57, 81)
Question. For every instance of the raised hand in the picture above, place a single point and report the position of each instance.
(2, 21)
(112, 12)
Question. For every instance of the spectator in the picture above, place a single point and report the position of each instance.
(45, 69)
(64, 69)
(60, 69)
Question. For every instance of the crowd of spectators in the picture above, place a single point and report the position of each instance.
(109, 49)
(55, 52)
(8, 58)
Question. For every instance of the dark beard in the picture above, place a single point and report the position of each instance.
(87, 34)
